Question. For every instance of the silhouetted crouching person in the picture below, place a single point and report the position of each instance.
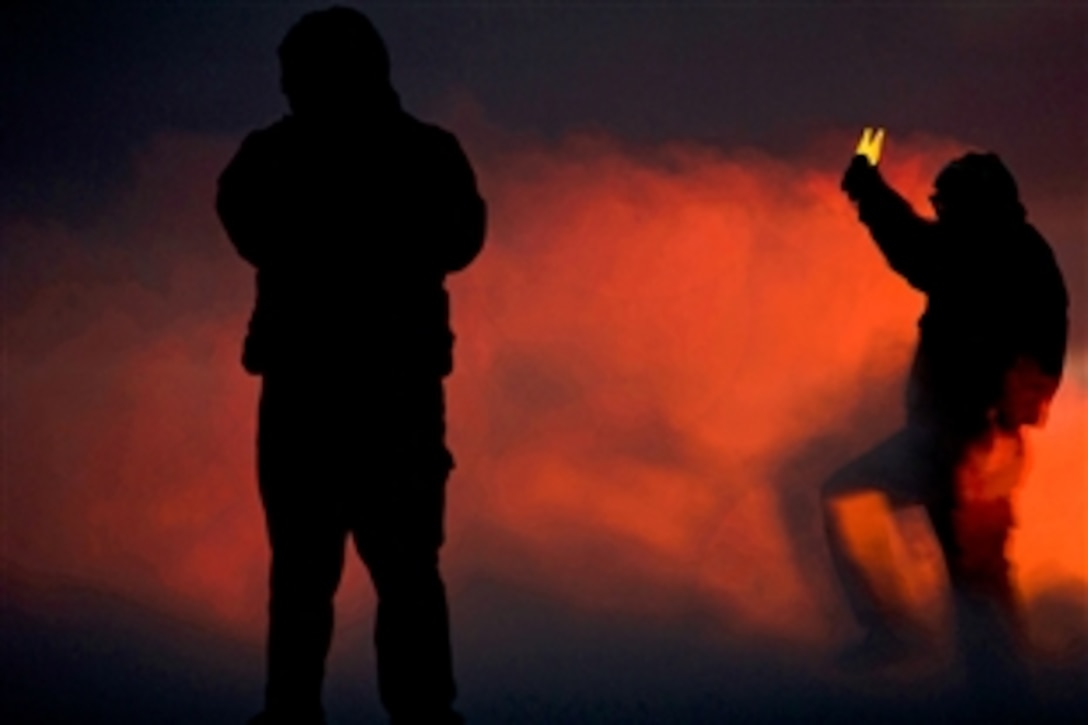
(352, 213)
(989, 359)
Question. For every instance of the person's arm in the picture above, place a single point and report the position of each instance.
(247, 201)
(1051, 329)
(458, 214)
(1043, 334)
(906, 239)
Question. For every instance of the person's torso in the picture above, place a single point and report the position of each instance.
(350, 281)
(985, 297)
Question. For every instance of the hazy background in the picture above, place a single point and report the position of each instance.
(676, 331)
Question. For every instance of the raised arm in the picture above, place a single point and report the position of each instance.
(906, 239)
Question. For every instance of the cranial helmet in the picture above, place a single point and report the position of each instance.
(331, 56)
(976, 184)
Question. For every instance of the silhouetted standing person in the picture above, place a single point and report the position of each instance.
(989, 358)
(353, 213)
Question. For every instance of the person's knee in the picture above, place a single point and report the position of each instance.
(301, 578)
(406, 575)
(834, 493)
(842, 482)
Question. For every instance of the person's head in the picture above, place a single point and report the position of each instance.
(334, 61)
(976, 188)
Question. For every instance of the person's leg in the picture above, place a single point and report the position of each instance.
(307, 539)
(307, 559)
(985, 475)
(415, 666)
(858, 501)
(398, 537)
(990, 630)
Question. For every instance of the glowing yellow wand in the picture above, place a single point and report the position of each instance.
(870, 144)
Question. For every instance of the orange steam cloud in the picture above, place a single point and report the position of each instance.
(660, 355)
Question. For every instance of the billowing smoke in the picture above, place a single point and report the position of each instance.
(660, 355)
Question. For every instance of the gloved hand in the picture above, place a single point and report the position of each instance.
(860, 175)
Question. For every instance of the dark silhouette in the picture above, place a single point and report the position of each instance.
(989, 358)
(352, 212)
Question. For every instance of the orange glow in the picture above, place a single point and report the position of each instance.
(1050, 545)
(646, 342)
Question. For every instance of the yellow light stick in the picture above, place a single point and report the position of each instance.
(870, 144)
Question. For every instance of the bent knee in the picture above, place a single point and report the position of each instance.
(843, 486)
(851, 509)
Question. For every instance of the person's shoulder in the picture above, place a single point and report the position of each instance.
(272, 136)
(428, 135)
(1034, 243)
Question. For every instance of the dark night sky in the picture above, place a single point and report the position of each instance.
(87, 82)
(598, 129)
